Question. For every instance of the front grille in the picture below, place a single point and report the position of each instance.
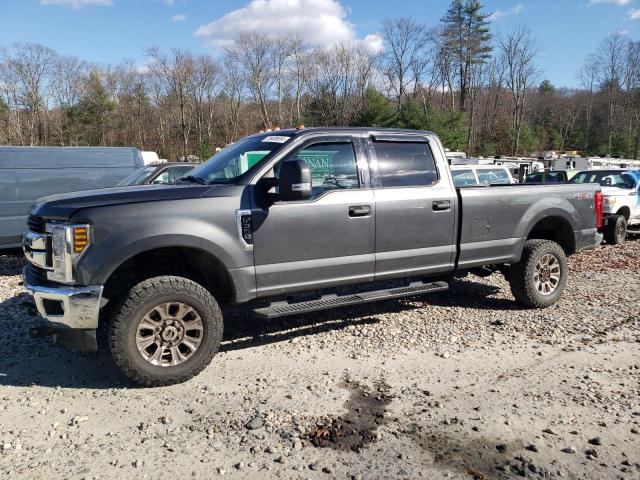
(38, 273)
(36, 224)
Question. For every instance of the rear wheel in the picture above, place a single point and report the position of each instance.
(616, 230)
(166, 331)
(538, 279)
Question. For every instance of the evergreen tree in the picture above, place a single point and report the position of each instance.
(546, 87)
(377, 110)
(467, 36)
(94, 110)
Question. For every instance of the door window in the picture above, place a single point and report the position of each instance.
(332, 166)
(405, 164)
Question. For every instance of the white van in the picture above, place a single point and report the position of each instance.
(28, 173)
(468, 175)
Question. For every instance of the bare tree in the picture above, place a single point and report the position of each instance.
(254, 52)
(30, 66)
(518, 51)
(610, 58)
(299, 61)
(233, 84)
(588, 76)
(203, 84)
(405, 56)
(176, 71)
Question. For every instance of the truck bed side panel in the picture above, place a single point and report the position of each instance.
(496, 220)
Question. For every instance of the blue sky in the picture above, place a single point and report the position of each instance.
(108, 31)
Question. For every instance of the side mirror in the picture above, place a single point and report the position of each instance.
(294, 181)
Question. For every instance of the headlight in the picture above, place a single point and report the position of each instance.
(68, 243)
(609, 202)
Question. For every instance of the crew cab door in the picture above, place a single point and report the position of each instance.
(326, 240)
(415, 208)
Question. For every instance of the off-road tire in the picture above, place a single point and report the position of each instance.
(144, 296)
(521, 275)
(615, 231)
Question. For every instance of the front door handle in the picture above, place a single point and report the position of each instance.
(360, 211)
(440, 205)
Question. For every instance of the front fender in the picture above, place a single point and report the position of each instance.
(121, 232)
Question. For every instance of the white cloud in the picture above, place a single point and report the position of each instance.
(621, 3)
(374, 42)
(144, 66)
(504, 13)
(178, 18)
(319, 22)
(634, 14)
(170, 3)
(77, 4)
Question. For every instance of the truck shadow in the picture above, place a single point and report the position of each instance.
(35, 362)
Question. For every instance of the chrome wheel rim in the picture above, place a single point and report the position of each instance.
(621, 231)
(547, 274)
(169, 334)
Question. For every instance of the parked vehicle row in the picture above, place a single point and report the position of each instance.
(287, 223)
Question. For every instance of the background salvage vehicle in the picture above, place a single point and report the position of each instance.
(551, 176)
(282, 223)
(465, 175)
(162, 173)
(621, 191)
(28, 173)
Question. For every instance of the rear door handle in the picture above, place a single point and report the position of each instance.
(440, 205)
(360, 211)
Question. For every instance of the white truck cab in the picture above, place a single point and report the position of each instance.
(621, 191)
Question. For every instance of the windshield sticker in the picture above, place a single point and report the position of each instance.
(276, 138)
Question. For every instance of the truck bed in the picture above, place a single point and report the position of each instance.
(495, 221)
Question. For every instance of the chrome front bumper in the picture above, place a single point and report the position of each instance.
(65, 306)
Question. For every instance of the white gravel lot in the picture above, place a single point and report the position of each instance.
(462, 384)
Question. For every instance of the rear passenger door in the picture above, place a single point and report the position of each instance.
(415, 208)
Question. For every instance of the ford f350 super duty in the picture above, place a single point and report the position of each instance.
(281, 223)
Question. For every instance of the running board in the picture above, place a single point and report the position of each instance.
(283, 308)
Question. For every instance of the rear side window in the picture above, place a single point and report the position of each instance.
(494, 175)
(405, 164)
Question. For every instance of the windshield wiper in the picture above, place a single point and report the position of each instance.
(192, 179)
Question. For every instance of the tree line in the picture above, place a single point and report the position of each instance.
(480, 92)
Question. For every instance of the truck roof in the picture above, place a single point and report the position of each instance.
(298, 131)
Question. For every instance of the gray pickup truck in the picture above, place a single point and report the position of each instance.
(283, 223)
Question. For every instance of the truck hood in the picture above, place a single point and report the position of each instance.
(63, 205)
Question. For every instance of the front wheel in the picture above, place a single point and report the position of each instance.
(538, 279)
(166, 331)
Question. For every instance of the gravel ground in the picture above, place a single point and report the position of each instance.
(462, 384)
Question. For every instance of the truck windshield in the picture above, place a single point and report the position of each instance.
(137, 177)
(238, 158)
(605, 178)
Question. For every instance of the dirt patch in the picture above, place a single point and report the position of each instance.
(366, 408)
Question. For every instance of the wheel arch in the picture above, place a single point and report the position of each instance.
(191, 262)
(625, 211)
(556, 228)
